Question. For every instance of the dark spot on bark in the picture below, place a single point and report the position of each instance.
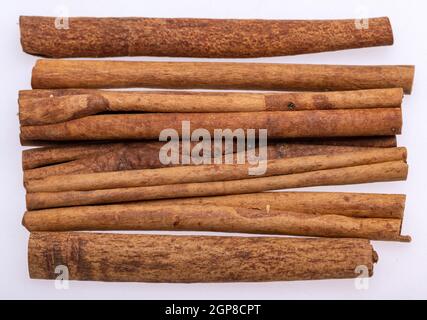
(320, 101)
(291, 106)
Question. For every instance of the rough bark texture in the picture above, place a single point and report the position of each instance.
(38, 157)
(214, 218)
(134, 156)
(208, 173)
(208, 38)
(59, 107)
(313, 123)
(125, 153)
(57, 74)
(150, 258)
(387, 171)
(361, 205)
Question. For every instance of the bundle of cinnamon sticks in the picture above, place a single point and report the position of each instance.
(99, 164)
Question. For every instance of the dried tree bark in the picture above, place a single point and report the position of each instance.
(150, 258)
(136, 156)
(209, 38)
(214, 218)
(62, 74)
(369, 142)
(59, 107)
(387, 171)
(359, 205)
(38, 157)
(209, 173)
(314, 123)
(129, 152)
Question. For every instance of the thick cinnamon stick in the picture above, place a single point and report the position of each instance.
(313, 123)
(151, 258)
(214, 218)
(359, 205)
(208, 173)
(387, 171)
(208, 38)
(134, 156)
(57, 74)
(56, 107)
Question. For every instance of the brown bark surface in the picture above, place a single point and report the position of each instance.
(134, 156)
(37, 157)
(57, 74)
(57, 107)
(214, 218)
(150, 258)
(209, 38)
(369, 142)
(361, 205)
(208, 173)
(313, 123)
(387, 171)
(125, 153)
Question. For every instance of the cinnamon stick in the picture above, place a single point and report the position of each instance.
(386, 171)
(359, 205)
(370, 142)
(208, 38)
(134, 156)
(208, 173)
(153, 258)
(214, 218)
(57, 74)
(57, 107)
(313, 123)
(37, 157)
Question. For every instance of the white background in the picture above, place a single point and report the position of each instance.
(401, 271)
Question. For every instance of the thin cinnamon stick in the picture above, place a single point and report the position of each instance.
(57, 74)
(313, 123)
(37, 157)
(153, 258)
(208, 38)
(56, 107)
(214, 218)
(208, 173)
(370, 142)
(358, 205)
(386, 171)
(134, 156)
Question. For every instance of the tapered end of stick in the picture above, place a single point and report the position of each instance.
(389, 31)
(405, 239)
(410, 79)
(24, 221)
(21, 27)
(374, 256)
